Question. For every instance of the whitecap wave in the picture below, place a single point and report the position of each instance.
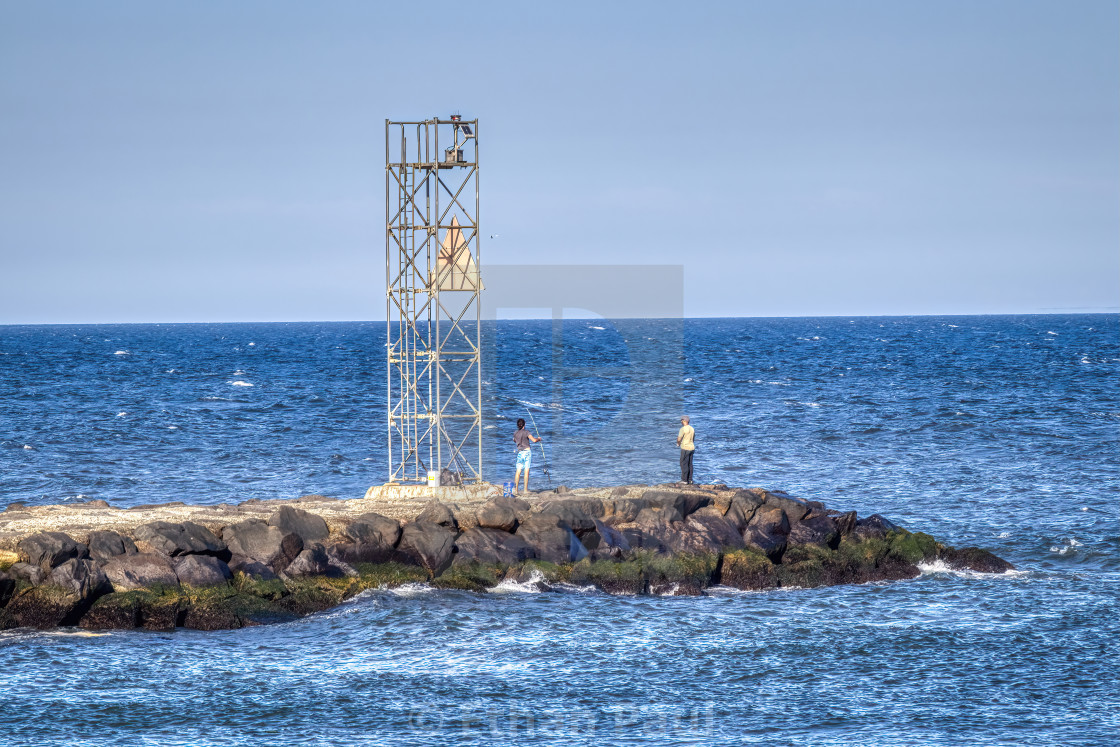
(121, 414)
(238, 382)
(28, 447)
(409, 590)
(941, 568)
(122, 352)
(594, 327)
(535, 584)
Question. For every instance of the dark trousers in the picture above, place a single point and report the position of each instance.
(686, 464)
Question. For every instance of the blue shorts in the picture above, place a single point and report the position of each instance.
(524, 458)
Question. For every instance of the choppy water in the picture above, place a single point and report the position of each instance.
(996, 431)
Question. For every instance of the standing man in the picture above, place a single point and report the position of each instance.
(685, 439)
(524, 439)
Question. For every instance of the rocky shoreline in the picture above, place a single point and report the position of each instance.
(228, 566)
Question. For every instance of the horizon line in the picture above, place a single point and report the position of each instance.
(1055, 312)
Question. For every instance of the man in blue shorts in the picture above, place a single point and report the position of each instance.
(524, 439)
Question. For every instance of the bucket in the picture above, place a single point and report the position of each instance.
(433, 478)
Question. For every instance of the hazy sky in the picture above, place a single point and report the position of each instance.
(214, 161)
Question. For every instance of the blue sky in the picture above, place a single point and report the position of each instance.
(225, 161)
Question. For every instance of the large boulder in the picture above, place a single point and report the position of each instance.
(248, 566)
(7, 588)
(684, 502)
(692, 537)
(291, 520)
(141, 571)
(174, 540)
(605, 541)
(770, 520)
(623, 510)
(845, 522)
(437, 513)
(369, 539)
(312, 561)
(66, 593)
(50, 549)
(975, 559)
(552, 539)
(263, 543)
(491, 546)
(32, 574)
(202, 570)
(815, 530)
(722, 530)
(795, 508)
(742, 507)
(772, 545)
(578, 513)
(82, 578)
(874, 527)
(495, 515)
(105, 543)
(387, 529)
(427, 545)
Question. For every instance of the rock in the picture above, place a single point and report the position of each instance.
(770, 545)
(142, 571)
(619, 491)
(770, 520)
(748, 570)
(427, 545)
(724, 531)
(202, 570)
(112, 612)
(105, 543)
(517, 505)
(683, 502)
(553, 540)
(624, 510)
(494, 515)
(370, 539)
(50, 549)
(815, 530)
(315, 498)
(66, 594)
(492, 547)
(32, 574)
(263, 543)
(312, 561)
(95, 503)
(82, 578)
(174, 540)
(309, 527)
(605, 542)
(742, 507)
(578, 514)
(248, 566)
(389, 529)
(845, 522)
(874, 527)
(437, 513)
(795, 508)
(7, 588)
(15, 506)
(975, 559)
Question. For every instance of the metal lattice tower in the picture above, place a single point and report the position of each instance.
(434, 396)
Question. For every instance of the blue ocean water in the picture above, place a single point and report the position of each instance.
(1001, 432)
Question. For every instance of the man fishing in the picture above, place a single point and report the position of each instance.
(685, 440)
(524, 439)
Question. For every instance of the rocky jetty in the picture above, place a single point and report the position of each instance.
(218, 567)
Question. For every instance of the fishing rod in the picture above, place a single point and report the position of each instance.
(540, 443)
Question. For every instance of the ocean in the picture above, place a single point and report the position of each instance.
(996, 431)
